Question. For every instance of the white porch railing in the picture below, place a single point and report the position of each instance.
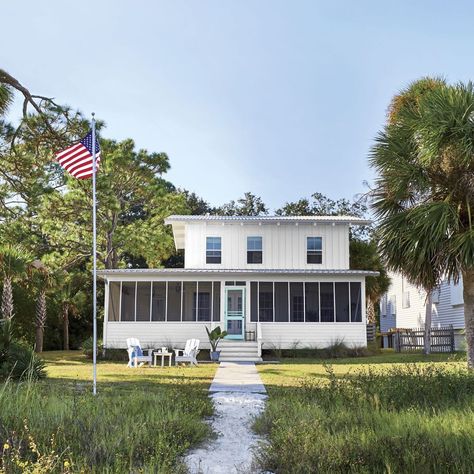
(259, 339)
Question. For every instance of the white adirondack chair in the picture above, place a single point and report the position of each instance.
(136, 354)
(189, 353)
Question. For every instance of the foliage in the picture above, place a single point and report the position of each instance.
(249, 205)
(66, 427)
(424, 189)
(87, 347)
(412, 418)
(17, 361)
(338, 349)
(215, 336)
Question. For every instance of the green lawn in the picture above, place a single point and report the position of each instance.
(143, 420)
(390, 413)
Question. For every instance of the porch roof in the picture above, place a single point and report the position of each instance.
(220, 271)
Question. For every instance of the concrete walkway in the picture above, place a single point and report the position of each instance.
(239, 377)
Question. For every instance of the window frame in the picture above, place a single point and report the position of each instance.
(213, 250)
(314, 252)
(252, 252)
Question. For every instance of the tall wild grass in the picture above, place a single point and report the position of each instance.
(413, 418)
(48, 428)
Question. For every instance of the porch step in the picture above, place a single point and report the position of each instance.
(244, 351)
(240, 359)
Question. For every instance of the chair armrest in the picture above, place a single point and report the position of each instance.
(150, 351)
(177, 351)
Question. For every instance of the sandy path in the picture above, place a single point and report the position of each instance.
(231, 452)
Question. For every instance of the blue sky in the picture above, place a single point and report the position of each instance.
(281, 98)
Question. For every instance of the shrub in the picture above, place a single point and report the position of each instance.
(17, 360)
(87, 347)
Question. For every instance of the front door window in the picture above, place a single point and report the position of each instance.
(235, 313)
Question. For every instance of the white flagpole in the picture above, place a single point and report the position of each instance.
(94, 260)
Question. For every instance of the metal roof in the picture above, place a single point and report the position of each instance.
(261, 271)
(270, 219)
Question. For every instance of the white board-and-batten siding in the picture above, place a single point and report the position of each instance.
(284, 246)
(447, 309)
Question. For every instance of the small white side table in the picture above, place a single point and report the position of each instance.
(162, 355)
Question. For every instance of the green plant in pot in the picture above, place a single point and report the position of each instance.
(215, 337)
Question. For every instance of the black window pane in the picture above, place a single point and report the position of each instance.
(342, 302)
(312, 302)
(254, 256)
(189, 301)
(327, 302)
(296, 302)
(143, 300)
(314, 257)
(265, 301)
(281, 301)
(158, 303)
(128, 301)
(356, 304)
(204, 301)
(240, 283)
(216, 305)
(253, 301)
(114, 301)
(174, 301)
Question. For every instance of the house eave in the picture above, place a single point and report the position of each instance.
(163, 272)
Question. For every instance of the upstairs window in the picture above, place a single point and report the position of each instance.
(314, 250)
(254, 250)
(213, 250)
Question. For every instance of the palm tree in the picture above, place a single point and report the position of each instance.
(364, 256)
(43, 280)
(424, 159)
(70, 296)
(13, 265)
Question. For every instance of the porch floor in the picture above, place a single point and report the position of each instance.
(240, 377)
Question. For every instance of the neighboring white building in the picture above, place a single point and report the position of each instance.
(403, 306)
(284, 281)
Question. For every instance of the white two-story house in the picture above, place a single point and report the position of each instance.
(271, 282)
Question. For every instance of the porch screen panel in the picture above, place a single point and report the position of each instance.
(143, 300)
(128, 301)
(356, 305)
(189, 300)
(327, 302)
(114, 301)
(281, 302)
(265, 302)
(204, 301)
(296, 302)
(216, 303)
(312, 302)
(158, 302)
(342, 302)
(253, 301)
(174, 301)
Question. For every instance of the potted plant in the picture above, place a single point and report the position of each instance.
(214, 338)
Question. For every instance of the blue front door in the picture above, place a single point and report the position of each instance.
(235, 312)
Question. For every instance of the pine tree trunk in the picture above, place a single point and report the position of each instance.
(468, 293)
(40, 320)
(428, 313)
(7, 299)
(371, 319)
(66, 326)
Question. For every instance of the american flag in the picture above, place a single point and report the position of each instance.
(78, 160)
